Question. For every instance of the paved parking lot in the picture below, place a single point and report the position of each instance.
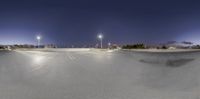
(97, 74)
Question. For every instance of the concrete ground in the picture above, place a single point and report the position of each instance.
(94, 74)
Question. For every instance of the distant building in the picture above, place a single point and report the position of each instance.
(172, 48)
(153, 46)
(179, 45)
(22, 46)
(5, 47)
(50, 46)
(114, 46)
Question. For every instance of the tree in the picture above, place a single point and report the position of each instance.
(164, 47)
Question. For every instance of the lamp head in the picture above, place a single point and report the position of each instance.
(38, 37)
(100, 36)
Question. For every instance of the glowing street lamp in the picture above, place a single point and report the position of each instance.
(109, 44)
(100, 36)
(38, 40)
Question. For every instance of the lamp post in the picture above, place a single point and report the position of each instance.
(100, 36)
(109, 45)
(38, 40)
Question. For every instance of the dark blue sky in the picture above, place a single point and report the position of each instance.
(78, 22)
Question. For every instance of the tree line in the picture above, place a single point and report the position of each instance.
(134, 46)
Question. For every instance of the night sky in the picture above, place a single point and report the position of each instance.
(77, 22)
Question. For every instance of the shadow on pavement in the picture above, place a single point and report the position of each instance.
(169, 63)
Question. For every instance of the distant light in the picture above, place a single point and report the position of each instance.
(109, 44)
(100, 36)
(38, 37)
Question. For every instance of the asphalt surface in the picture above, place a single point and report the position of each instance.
(99, 75)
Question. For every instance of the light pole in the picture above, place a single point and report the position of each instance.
(38, 40)
(109, 45)
(100, 36)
